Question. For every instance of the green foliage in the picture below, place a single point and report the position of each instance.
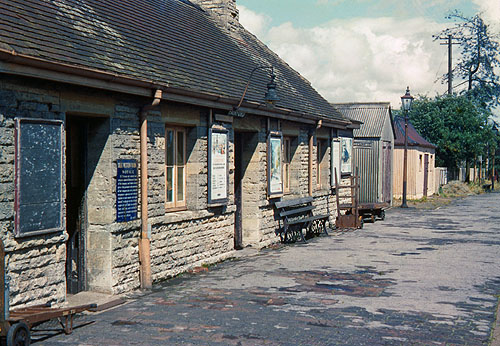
(457, 125)
(478, 58)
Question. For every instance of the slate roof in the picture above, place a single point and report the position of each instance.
(171, 42)
(414, 138)
(373, 115)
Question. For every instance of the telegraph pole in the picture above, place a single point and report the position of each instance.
(449, 42)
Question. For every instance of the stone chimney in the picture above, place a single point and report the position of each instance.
(223, 11)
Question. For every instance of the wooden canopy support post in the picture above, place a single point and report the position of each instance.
(144, 242)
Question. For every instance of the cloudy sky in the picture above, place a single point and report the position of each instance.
(362, 50)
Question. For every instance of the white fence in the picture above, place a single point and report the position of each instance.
(441, 176)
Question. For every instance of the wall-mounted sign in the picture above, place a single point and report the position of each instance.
(38, 176)
(346, 155)
(217, 166)
(126, 190)
(274, 165)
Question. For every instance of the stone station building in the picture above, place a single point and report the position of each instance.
(121, 162)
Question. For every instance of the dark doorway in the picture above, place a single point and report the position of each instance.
(246, 225)
(426, 173)
(238, 178)
(76, 213)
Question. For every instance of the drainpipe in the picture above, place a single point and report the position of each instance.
(310, 162)
(144, 243)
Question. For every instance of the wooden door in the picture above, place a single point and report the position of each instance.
(426, 174)
(386, 172)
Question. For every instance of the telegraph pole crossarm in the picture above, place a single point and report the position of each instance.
(448, 41)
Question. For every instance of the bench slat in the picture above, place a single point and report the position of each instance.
(306, 219)
(292, 202)
(296, 211)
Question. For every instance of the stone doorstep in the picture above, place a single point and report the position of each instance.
(102, 300)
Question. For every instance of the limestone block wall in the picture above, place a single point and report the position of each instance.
(224, 12)
(35, 265)
(324, 199)
(119, 246)
(182, 240)
(256, 212)
(190, 239)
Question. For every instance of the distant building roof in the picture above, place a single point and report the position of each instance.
(172, 43)
(373, 115)
(414, 138)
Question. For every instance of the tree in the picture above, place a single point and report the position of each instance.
(479, 57)
(457, 125)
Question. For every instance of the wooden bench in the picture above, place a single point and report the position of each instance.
(296, 215)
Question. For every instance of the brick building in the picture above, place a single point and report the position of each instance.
(121, 162)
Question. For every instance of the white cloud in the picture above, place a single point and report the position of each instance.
(490, 10)
(256, 23)
(363, 59)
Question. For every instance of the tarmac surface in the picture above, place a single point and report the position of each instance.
(421, 277)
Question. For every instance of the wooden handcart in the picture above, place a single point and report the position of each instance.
(372, 211)
(348, 211)
(15, 325)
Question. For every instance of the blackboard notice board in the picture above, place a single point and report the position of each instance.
(38, 178)
(126, 190)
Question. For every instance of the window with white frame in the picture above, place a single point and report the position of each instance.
(175, 167)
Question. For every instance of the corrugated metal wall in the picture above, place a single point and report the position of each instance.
(366, 158)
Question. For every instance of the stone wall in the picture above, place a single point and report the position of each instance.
(224, 12)
(324, 199)
(200, 235)
(181, 239)
(36, 265)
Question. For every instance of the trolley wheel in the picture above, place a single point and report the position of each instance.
(18, 335)
(382, 215)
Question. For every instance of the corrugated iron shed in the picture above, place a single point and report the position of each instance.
(414, 138)
(373, 116)
(166, 42)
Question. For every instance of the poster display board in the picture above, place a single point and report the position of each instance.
(274, 165)
(127, 192)
(346, 155)
(335, 161)
(217, 167)
(38, 176)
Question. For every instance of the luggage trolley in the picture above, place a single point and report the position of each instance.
(15, 325)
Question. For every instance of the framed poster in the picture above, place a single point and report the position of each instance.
(335, 164)
(274, 165)
(217, 167)
(38, 177)
(346, 155)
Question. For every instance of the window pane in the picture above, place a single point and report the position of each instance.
(180, 148)
(169, 138)
(170, 184)
(180, 183)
